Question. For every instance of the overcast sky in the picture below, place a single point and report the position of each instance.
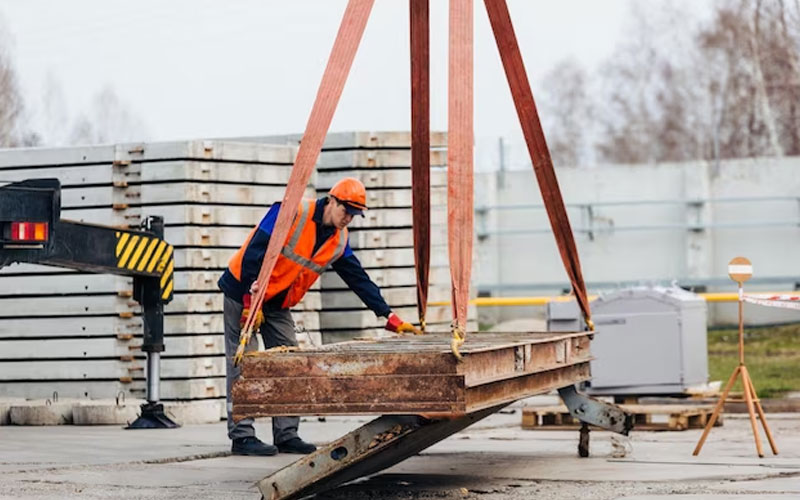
(216, 68)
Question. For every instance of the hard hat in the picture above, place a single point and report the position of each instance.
(352, 194)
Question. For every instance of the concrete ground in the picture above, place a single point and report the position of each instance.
(494, 459)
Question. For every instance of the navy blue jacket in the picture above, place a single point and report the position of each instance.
(348, 267)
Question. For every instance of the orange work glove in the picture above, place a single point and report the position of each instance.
(397, 325)
(246, 301)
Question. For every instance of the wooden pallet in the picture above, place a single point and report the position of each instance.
(667, 417)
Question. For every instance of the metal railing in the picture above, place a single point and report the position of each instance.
(588, 215)
(688, 284)
(543, 300)
(591, 225)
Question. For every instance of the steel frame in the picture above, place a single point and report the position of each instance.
(409, 375)
(375, 446)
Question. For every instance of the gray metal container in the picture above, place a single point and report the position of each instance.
(649, 341)
(564, 316)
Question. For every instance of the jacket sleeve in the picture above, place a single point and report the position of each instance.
(349, 268)
(257, 248)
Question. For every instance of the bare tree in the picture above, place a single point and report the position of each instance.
(83, 132)
(753, 48)
(567, 113)
(11, 103)
(730, 88)
(107, 121)
(762, 99)
(54, 123)
(789, 81)
(777, 43)
(649, 107)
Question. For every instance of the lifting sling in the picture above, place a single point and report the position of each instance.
(537, 147)
(459, 164)
(459, 151)
(420, 151)
(330, 90)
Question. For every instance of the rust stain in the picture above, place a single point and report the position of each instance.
(385, 436)
(355, 367)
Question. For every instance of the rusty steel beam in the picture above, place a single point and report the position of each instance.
(371, 448)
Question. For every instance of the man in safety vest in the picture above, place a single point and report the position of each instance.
(317, 240)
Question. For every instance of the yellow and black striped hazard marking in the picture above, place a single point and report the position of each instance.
(147, 254)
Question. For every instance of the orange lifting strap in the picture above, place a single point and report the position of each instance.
(459, 164)
(537, 147)
(330, 90)
(459, 152)
(420, 151)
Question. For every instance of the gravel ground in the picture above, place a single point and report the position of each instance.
(492, 460)
(400, 487)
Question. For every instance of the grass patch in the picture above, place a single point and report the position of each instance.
(772, 356)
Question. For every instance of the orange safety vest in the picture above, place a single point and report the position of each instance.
(296, 268)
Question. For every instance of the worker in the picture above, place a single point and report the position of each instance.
(317, 240)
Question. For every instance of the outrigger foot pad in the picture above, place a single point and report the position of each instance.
(153, 417)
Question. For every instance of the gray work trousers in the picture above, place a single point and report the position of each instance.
(277, 329)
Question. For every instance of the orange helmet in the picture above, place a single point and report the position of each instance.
(352, 193)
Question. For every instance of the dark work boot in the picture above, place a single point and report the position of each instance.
(296, 445)
(251, 445)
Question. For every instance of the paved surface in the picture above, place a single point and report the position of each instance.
(494, 460)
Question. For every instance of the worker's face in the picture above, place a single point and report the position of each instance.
(338, 214)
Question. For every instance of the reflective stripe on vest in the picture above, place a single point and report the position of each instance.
(288, 249)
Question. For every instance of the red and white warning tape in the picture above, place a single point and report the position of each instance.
(784, 301)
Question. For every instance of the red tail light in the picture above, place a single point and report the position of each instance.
(28, 231)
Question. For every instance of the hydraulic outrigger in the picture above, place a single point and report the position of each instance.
(32, 231)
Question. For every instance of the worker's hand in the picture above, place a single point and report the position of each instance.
(397, 325)
(254, 288)
(246, 301)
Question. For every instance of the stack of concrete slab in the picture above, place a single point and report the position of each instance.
(78, 335)
(383, 240)
(65, 332)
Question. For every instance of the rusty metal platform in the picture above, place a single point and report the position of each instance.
(410, 375)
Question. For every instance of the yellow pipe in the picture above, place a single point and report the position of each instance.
(720, 297)
(511, 301)
(542, 300)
